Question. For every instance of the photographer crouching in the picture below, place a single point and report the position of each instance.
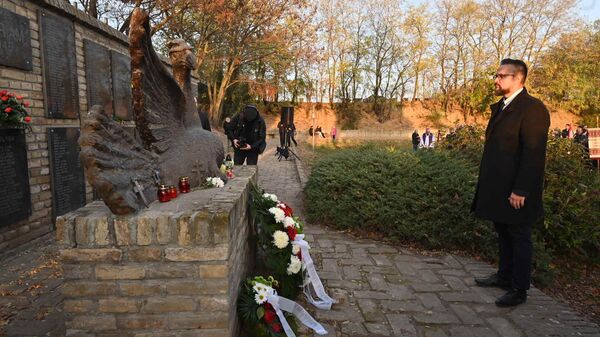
(248, 133)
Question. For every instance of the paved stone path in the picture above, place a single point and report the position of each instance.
(381, 290)
(385, 290)
(29, 291)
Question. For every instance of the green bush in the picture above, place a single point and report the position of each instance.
(425, 197)
(422, 197)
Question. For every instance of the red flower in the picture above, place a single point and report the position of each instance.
(26, 104)
(27, 119)
(276, 327)
(19, 97)
(270, 316)
(3, 92)
(291, 232)
(8, 110)
(286, 209)
(10, 94)
(268, 306)
(4, 98)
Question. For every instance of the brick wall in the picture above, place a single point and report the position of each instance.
(30, 85)
(163, 272)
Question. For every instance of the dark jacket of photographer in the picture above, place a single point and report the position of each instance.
(249, 128)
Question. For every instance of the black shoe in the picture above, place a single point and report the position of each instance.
(493, 281)
(512, 297)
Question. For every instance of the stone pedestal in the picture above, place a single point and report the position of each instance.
(173, 269)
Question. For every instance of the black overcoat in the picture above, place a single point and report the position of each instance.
(514, 157)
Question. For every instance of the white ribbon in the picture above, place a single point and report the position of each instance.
(281, 303)
(323, 300)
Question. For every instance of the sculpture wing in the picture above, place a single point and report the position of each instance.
(112, 158)
(158, 101)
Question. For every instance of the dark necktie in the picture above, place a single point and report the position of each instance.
(502, 105)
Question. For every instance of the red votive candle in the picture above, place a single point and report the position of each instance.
(163, 193)
(172, 192)
(184, 184)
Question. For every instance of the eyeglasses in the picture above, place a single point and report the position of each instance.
(501, 76)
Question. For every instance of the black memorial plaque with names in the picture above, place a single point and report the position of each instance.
(15, 199)
(121, 84)
(60, 66)
(68, 184)
(97, 76)
(15, 40)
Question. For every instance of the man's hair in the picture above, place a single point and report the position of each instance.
(519, 65)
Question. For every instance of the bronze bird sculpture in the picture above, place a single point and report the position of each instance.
(169, 143)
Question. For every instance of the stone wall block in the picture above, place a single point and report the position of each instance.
(123, 233)
(157, 305)
(220, 226)
(93, 323)
(105, 255)
(211, 271)
(141, 322)
(145, 230)
(74, 289)
(184, 230)
(201, 233)
(164, 231)
(101, 233)
(118, 305)
(216, 253)
(137, 289)
(120, 272)
(79, 306)
(217, 320)
(144, 254)
(65, 231)
(171, 270)
(83, 231)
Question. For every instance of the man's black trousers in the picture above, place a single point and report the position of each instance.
(516, 251)
(239, 156)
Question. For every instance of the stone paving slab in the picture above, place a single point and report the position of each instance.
(384, 290)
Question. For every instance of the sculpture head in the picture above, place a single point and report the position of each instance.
(181, 54)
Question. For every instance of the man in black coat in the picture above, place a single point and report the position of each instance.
(511, 178)
(248, 133)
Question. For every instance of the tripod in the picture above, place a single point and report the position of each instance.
(285, 151)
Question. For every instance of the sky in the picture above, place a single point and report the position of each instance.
(587, 9)
(590, 10)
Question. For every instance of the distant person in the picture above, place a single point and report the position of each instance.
(511, 179)
(333, 133)
(428, 139)
(291, 135)
(248, 134)
(567, 132)
(311, 131)
(227, 129)
(416, 140)
(319, 131)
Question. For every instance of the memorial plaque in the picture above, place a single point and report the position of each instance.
(15, 40)
(15, 199)
(68, 185)
(121, 84)
(97, 76)
(60, 66)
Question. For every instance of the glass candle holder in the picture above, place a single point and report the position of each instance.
(172, 192)
(184, 185)
(163, 193)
